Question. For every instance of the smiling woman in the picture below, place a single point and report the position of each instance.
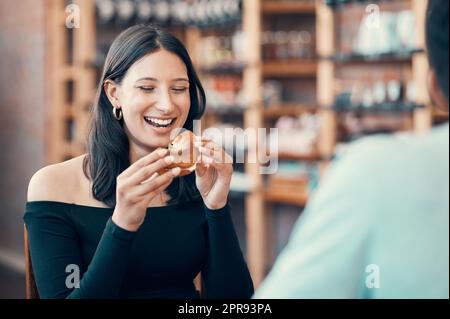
(122, 214)
(148, 80)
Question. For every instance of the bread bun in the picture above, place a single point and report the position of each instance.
(185, 154)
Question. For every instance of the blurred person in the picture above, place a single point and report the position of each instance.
(378, 227)
(130, 228)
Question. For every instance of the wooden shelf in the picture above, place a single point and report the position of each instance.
(69, 112)
(288, 7)
(67, 73)
(223, 69)
(288, 109)
(287, 189)
(289, 156)
(286, 196)
(382, 109)
(226, 110)
(381, 59)
(382, 4)
(439, 114)
(290, 69)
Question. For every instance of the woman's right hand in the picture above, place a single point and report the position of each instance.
(138, 185)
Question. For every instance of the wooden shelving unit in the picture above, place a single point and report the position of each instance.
(259, 232)
(323, 71)
(72, 79)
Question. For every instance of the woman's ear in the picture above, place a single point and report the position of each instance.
(436, 94)
(111, 91)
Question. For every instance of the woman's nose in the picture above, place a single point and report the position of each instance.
(164, 103)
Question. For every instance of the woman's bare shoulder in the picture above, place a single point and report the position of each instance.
(57, 182)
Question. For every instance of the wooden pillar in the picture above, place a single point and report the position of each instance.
(65, 41)
(55, 62)
(422, 117)
(257, 244)
(325, 79)
(84, 53)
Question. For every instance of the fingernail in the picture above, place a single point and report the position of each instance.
(169, 159)
(208, 160)
(162, 152)
(176, 171)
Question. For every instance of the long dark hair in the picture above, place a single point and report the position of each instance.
(436, 31)
(107, 144)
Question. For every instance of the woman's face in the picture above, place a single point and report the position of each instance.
(154, 98)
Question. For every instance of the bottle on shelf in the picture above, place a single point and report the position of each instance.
(106, 11)
(144, 11)
(162, 12)
(287, 45)
(125, 12)
(215, 13)
(394, 91)
(222, 52)
(225, 92)
(202, 20)
(180, 12)
(198, 13)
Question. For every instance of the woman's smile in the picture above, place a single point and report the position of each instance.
(160, 125)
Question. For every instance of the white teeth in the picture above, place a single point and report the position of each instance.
(159, 121)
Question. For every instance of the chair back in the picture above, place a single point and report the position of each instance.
(30, 282)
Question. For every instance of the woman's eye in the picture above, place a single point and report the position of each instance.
(180, 89)
(147, 89)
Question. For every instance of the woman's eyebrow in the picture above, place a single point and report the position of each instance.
(180, 79)
(156, 80)
(147, 79)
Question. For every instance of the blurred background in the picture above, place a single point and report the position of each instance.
(324, 73)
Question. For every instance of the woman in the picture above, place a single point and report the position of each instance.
(130, 231)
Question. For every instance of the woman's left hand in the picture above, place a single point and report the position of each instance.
(214, 171)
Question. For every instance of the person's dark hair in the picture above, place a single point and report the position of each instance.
(107, 144)
(437, 41)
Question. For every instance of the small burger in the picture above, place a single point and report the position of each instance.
(185, 154)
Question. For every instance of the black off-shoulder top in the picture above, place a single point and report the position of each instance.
(160, 260)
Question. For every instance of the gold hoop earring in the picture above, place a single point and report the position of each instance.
(117, 112)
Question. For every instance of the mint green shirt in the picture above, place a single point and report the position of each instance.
(378, 227)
